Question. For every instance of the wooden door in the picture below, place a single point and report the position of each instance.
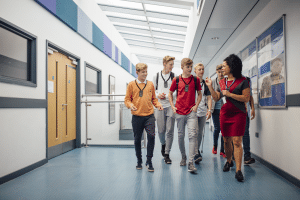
(61, 104)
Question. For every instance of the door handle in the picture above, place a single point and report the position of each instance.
(64, 104)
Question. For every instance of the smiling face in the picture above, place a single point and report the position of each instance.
(142, 75)
(169, 66)
(225, 68)
(187, 69)
(199, 71)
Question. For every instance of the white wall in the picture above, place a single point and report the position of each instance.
(278, 129)
(23, 131)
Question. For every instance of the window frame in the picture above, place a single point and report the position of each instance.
(99, 78)
(31, 55)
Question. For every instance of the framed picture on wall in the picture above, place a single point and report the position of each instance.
(111, 106)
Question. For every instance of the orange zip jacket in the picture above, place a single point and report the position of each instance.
(143, 104)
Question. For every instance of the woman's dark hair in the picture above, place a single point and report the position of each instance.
(235, 64)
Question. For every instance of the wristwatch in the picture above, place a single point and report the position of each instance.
(209, 111)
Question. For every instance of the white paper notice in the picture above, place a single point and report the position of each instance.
(50, 87)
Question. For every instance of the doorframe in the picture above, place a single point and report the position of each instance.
(78, 94)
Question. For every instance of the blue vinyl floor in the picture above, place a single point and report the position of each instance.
(109, 173)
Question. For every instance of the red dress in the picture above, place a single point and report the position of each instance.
(232, 118)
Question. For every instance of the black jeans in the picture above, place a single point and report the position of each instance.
(139, 123)
(216, 121)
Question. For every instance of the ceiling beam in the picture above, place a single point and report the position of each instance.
(170, 3)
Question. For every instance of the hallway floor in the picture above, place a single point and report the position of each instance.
(109, 173)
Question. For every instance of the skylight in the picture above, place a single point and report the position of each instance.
(123, 15)
(166, 9)
(125, 4)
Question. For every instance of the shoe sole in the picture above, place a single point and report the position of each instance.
(139, 168)
(192, 171)
(168, 162)
(150, 170)
(198, 160)
(249, 162)
(181, 164)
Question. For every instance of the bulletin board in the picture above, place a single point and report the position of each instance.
(271, 66)
(264, 62)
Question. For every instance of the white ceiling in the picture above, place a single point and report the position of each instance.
(150, 26)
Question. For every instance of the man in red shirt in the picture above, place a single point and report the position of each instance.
(186, 109)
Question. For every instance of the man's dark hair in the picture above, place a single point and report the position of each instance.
(235, 64)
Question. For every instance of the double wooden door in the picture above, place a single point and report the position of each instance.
(61, 104)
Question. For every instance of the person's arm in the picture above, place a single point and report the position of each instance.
(170, 96)
(245, 97)
(128, 98)
(215, 95)
(155, 100)
(209, 104)
(199, 97)
(252, 107)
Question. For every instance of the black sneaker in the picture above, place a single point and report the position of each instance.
(167, 159)
(149, 166)
(239, 176)
(139, 165)
(227, 166)
(191, 168)
(198, 158)
(249, 160)
(163, 148)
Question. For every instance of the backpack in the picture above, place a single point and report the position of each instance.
(157, 76)
(195, 81)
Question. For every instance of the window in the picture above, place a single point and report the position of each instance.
(17, 55)
(92, 80)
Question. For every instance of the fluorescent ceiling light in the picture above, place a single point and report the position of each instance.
(126, 4)
(166, 9)
(123, 15)
(135, 33)
(168, 38)
(167, 21)
(168, 30)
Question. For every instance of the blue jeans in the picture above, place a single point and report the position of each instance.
(216, 121)
(246, 140)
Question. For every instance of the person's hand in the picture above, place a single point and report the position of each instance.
(194, 108)
(133, 108)
(208, 115)
(252, 114)
(226, 93)
(161, 96)
(208, 81)
(174, 109)
(160, 108)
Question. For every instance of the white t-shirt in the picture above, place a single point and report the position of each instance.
(161, 89)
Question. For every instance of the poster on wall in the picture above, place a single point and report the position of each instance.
(249, 58)
(111, 106)
(271, 67)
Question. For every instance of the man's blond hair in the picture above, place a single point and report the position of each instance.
(141, 66)
(167, 59)
(198, 65)
(185, 62)
(219, 67)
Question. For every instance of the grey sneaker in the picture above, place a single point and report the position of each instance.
(191, 168)
(183, 161)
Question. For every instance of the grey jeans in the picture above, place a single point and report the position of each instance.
(165, 120)
(201, 124)
(191, 121)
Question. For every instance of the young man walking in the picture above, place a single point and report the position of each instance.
(165, 119)
(202, 113)
(140, 98)
(186, 109)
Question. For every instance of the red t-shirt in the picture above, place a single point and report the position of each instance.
(185, 100)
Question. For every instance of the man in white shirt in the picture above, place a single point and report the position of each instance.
(165, 119)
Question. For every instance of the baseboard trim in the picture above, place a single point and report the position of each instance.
(278, 171)
(112, 145)
(23, 171)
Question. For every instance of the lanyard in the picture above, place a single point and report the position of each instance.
(186, 88)
(165, 81)
(141, 91)
(230, 85)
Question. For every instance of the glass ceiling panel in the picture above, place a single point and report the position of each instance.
(126, 4)
(153, 19)
(135, 33)
(131, 25)
(168, 30)
(166, 9)
(168, 38)
(123, 15)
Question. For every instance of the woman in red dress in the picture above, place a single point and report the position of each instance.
(236, 91)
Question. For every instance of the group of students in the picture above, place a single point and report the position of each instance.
(196, 101)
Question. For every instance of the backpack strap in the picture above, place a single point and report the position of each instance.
(177, 81)
(172, 75)
(157, 80)
(195, 80)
